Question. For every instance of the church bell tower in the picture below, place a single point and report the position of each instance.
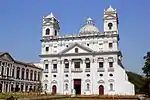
(110, 21)
(50, 26)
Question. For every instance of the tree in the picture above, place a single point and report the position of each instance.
(39, 87)
(146, 71)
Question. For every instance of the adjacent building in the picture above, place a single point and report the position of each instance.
(18, 76)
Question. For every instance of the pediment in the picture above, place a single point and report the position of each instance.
(100, 81)
(45, 81)
(71, 49)
(54, 81)
(109, 17)
(6, 56)
(66, 80)
(87, 80)
(110, 80)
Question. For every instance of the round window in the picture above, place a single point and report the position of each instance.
(88, 75)
(66, 75)
(100, 74)
(110, 74)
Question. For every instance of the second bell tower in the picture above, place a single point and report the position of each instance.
(110, 21)
(50, 26)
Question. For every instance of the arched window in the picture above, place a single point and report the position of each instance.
(18, 73)
(110, 26)
(7, 71)
(45, 86)
(88, 86)
(27, 74)
(54, 89)
(111, 87)
(35, 75)
(31, 75)
(13, 71)
(39, 76)
(66, 86)
(22, 73)
(47, 31)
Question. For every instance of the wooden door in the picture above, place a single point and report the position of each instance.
(101, 90)
(54, 89)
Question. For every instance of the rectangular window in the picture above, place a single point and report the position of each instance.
(47, 49)
(110, 45)
(110, 64)
(77, 64)
(100, 64)
(46, 66)
(67, 65)
(54, 66)
(87, 65)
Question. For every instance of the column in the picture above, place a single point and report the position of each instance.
(33, 75)
(94, 77)
(29, 75)
(20, 77)
(10, 71)
(19, 86)
(60, 76)
(83, 85)
(3, 87)
(70, 76)
(25, 74)
(15, 72)
(0, 67)
(14, 86)
(4, 71)
(9, 87)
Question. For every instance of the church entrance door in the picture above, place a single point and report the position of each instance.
(101, 90)
(77, 86)
(54, 89)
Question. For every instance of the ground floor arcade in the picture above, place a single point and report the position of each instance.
(17, 86)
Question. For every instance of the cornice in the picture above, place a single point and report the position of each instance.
(47, 39)
(81, 54)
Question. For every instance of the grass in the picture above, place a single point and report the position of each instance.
(37, 96)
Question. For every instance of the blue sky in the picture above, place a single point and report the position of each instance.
(21, 20)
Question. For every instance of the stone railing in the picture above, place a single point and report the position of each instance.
(45, 71)
(66, 70)
(54, 70)
(76, 70)
(87, 70)
(100, 69)
(110, 69)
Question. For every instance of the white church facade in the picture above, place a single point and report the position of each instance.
(86, 63)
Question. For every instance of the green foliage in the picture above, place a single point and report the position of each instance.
(146, 68)
(146, 71)
(138, 80)
(39, 87)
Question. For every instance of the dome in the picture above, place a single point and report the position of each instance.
(89, 27)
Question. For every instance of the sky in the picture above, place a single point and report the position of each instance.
(21, 24)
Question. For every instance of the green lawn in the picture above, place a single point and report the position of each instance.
(36, 96)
